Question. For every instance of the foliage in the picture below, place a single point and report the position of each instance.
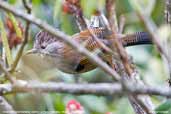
(5, 43)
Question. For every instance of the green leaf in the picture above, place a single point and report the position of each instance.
(164, 108)
(89, 6)
(57, 9)
(94, 103)
(144, 6)
(66, 25)
(5, 43)
(16, 27)
(36, 2)
(12, 1)
(58, 103)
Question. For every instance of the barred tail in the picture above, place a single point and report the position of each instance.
(137, 38)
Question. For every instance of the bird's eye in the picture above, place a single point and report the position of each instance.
(79, 67)
(43, 46)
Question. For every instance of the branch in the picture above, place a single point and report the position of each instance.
(111, 16)
(74, 8)
(98, 21)
(136, 105)
(129, 70)
(62, 36)
(26, 35)
(7, 74)
(34, 86)
(150, 26)
(144, 106)
(5, 107)
(91, 88)
(168, 21)
(27, 6)
(168, 11)
(121, 24)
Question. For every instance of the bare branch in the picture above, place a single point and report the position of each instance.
(27, 6)
(91, 88)
(151, 29)
(128, 69)
(7, 74)
(34, 86)
(111, 14)
(76, 10)
(136, 105)
(168, 11)
(5, 107)
(26, 35)
(140, 101)
(121, 24)
(150, 26)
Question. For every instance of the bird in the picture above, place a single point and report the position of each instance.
(49, 52)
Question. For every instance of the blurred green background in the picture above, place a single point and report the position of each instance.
(149, 63)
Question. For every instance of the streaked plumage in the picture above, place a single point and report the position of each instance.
(68, 60)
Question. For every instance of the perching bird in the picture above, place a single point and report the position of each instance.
(49, 52)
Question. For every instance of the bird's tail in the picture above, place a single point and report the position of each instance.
(137, 38)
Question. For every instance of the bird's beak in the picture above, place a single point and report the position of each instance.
(32, 51)
(36, 53)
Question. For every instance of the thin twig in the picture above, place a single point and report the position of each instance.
(111, 15)
(98, 21)
(168, 21)
(102, 45)
(168, 11)
(150, 26)
(136, 105)
(110, 7)
(143, 105)
(76, 10)
(26, 35)
(121, 24)
(7, 74)
(5, 107)
(123, 55)
(27, 6)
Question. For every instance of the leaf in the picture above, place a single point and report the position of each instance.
(5, 43)
(89, 6)
(57, 9)
(16, 27)
(36, 2)
(94, 103)
(66, 25)
(144, 6)
(58, 103)
(12, 1)
(164, 108)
